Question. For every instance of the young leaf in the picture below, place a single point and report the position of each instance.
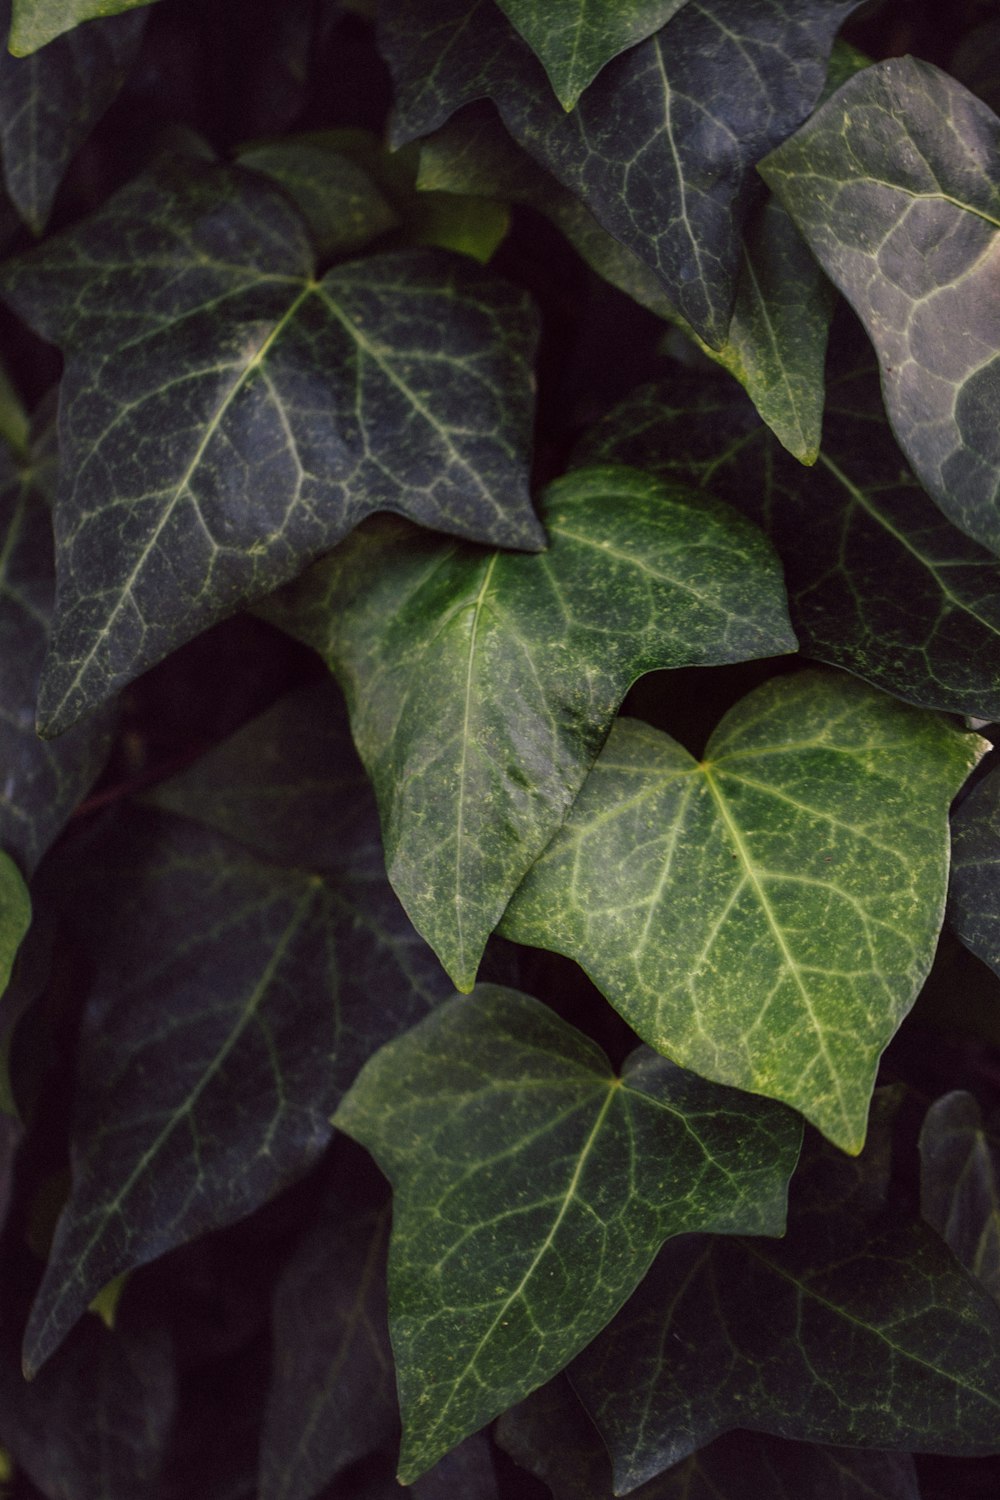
(37, 22)
(662, 145)
(206, 365)
(15, 916)
(50, 102)
(575, 38)
(858, 1328)
(879, 582)
(894, 183)
(481, 684)
(231, 1007)
(524, 1169)
(960, 1184)
(767, 915)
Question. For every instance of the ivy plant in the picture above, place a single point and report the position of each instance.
(499, 660)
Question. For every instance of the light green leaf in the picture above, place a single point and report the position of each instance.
(15, 916)
(36, 22)
(766, 916)
(895, 183)
(575, 38)
(524, 1169)
(481, 684)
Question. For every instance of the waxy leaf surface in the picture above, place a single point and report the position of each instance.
(234, 1001)
(858, 1327)
(250, 414)
(523, 1168)
(767, 915)
(35, 23)
(960, 1184)
(879, 582)
(895, 183)
(481, 684)
(661, 148)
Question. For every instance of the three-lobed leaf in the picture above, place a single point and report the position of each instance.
(524, 1168)
(768, 914)
(481, 685)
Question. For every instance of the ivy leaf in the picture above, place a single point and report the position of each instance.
(523, 1168)
(481, 684)
(50, 102)
(230, 1009)
(974, 894)
(575, 38)
(767, 915)
(859, 1327)
(221, 369)
(15, 916)
(37, 22)
(879, 582)
(894, 183)
(960, 1184)
(662, 145)
(339, 200)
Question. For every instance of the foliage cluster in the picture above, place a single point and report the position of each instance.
(499, 496)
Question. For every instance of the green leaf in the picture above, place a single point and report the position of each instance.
(879, 582)
(481, 685)
(230, 1008)
(858, 1328)
(960, 1184)
(50, 102)
(894, 183)
(662, 145)
(338, 199)
(767, 915)
(523, 1168)
(974, 894)
(220, 371)
(15, 916)
(575, 38)
(37, 22)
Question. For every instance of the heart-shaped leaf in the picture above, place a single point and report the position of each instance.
(895, 183)
(481, 684)
(524, 1168)
(768, 914)
(207, 366)
(960, 1184)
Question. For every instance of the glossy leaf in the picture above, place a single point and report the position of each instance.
(50, 102)
(767, 915)
(879, 582)
(35, 23)
(481, 684)
(231, 1006)
(223, 370)
(523, 1168)
(15, 916)
(662, 145)
(575, 38)
(960, 1184)
(858, 1328)
(894, 183)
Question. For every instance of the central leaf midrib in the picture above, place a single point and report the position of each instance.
(477, 611)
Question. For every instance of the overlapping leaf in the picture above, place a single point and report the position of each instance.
(481, 684)
(523, 1170)
(859, 1328)
(35, 23)
(960, 1184)
(894, 183)
(50, 102)
(339, 200)
(974, 894)
(233, 1002)
(250, 415)
(768, 914)
(662, 145)
(15, 916)
(879, 582)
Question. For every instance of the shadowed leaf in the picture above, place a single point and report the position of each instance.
(37, 22)
(960, 1184)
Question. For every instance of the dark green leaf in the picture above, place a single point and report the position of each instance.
(879, 582)
(974, 894)
(50, 102)
(765, 916)
(858, 1328)
(575, 38)
(38, 22)
(662, 145)
(523, 1168)
(15, 916)
(232, 1005)
(960, 1184)
(551, 1435)
(206, 367)
(338, 199)
(895, 183)
(482, 684)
